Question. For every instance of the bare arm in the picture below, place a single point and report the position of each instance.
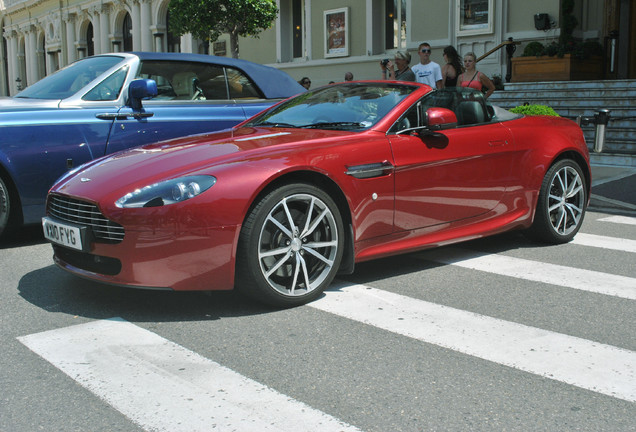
(487, 82)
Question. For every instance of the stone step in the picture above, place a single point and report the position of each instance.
(585, 98)
(612, 159)
(602, 84)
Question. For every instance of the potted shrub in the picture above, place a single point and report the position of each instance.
(565, 60)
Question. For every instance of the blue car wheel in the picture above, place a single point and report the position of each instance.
(5, 206)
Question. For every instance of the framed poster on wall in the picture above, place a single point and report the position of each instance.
(474, 16)
(336, 32)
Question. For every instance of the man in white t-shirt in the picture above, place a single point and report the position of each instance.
(427, 71)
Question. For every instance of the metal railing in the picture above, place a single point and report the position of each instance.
(511, 47)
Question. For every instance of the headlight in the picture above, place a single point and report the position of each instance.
(166, 192)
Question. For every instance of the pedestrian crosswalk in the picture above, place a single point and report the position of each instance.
(163, 386)
(581, 279)
(613, 243)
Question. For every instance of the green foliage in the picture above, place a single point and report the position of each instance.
(209, 19)
(534, 110)
(534, 49)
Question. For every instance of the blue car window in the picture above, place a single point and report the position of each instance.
(197, 81)
(241, 87)
(109, 89)
(68, 81)
(185, 80)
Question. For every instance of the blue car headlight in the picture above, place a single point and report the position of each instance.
(167, 192)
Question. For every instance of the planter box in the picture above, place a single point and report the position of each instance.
(547, 68)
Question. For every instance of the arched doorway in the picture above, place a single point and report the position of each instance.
(5, 62)
(41, 56)
(174, 41)
(127, 33)
(21, 79)
(90, 43)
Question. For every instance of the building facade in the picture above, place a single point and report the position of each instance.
(320, 39)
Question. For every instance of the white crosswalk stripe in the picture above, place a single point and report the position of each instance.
(586, 364)
(581, 279)
(619, 244)
(164, 387)
(626, 220)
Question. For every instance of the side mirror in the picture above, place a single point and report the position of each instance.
(440, 118)
(141, 89)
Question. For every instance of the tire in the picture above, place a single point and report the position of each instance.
(561, 204)
(5, 208)
(286, 258)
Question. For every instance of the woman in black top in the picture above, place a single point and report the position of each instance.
(453, 67)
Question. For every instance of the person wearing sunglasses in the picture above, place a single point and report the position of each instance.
(305, 82)
(427, 71)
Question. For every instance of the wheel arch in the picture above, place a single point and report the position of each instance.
(582, 162)
(335, 192)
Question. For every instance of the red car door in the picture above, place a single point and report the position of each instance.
(455, 175)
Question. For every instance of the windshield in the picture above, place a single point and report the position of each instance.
(66, 82)
(354, 106)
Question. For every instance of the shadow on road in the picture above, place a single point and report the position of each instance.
(23, 236)
(54, 290)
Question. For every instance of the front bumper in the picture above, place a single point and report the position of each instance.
(196, 259)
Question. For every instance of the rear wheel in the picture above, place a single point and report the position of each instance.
(290, 246)
(561, 204)
(5, 207)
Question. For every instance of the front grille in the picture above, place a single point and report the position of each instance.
(85, 214)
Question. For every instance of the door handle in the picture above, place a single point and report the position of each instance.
(124, 116)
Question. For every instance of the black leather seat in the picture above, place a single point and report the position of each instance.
(470, 112)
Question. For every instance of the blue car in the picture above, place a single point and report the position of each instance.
(106, 103)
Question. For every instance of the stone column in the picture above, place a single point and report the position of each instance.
(31, 56)
(136, 25)
(97, 31)
(146, 41)
(14, 64)
(104, 40)
(11, 55)
(70, 39)
(158, 42)
(186, 43)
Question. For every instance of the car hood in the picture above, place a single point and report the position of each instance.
(148, 164)
(25, 104)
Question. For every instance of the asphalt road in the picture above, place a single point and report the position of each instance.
(494, 334)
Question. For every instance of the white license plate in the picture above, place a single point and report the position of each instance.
(62, 233)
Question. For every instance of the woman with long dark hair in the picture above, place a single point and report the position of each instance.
(452, 68)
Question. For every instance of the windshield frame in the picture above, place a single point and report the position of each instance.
(352, 106)
(103, 66)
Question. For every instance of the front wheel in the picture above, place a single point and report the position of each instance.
(561, 204)
(290, 246)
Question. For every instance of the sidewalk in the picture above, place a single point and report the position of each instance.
(614, 189)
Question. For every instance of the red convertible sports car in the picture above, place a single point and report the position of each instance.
(345, 173)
